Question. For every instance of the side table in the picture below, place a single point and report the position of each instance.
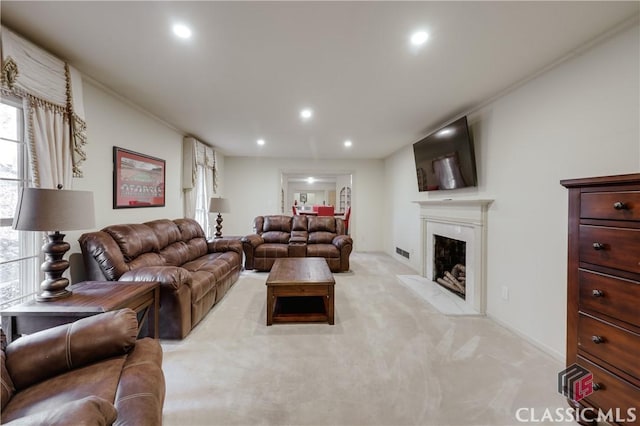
(88, 298)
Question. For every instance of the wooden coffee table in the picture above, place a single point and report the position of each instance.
(88, 298)
(300, 289)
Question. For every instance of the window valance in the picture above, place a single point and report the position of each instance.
(52, 94)
(196, 153)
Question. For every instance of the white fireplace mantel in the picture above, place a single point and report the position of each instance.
(464, 219)
(462, 211)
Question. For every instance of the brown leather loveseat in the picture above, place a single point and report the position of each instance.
(89, 372)
(194, 273)
(280, 236)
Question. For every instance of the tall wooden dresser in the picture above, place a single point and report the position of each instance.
(603, 299)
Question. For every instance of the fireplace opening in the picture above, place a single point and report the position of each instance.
(449, 267)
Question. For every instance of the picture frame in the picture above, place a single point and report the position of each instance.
(138, 180)
(303, 198)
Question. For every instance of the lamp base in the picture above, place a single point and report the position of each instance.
(50, 296)
(54, 286)
(219, 226)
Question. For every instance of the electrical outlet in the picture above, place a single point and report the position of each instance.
(505, 292)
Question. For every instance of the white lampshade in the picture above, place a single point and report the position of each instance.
(41, 209)
(219, 205)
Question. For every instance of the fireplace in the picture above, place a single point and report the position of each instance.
(454, 252)
(449, 264)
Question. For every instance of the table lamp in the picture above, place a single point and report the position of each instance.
(219, 205)
(53, 210)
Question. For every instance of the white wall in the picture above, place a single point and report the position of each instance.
(112, 122)
(580, 119)
(252, 185)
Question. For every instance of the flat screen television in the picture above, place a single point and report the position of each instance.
(445, 159)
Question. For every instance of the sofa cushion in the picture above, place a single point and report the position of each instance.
(99, 379)
(298, 237)
(321, 237)
(89, 411)
(175, 254)
(277, 223)
(69, 346)
(272, 250)
(189, 229)
(300, 223)
(167, 232)
(196, 247)
(6, 384)
(133, 239)
(146, 259)
(276, 237)
(207, 271)
(322, 250)
(322, 223)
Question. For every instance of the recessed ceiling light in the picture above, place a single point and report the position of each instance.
(347, 143)
(419, 38)
(182, 31)
(260, 142)
(310, 179)
(306, 114)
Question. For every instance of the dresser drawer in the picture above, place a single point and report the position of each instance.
(611, 344)
(617, 248)
(613, 392)
(610, 296)
(624, 205)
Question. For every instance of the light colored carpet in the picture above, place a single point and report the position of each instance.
(390, 359)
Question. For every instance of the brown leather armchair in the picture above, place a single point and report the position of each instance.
(279, 236)
(92, 371)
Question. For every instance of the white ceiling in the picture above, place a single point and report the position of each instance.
(251, 66)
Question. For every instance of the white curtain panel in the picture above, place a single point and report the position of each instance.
(198, 180)
(51, 150)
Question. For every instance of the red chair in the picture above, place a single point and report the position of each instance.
(295, 211)
(314, 208)
(347, 215)
(325, 210)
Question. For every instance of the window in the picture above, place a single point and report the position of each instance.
(19, 250)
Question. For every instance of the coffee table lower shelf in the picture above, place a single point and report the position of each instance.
(301, 309)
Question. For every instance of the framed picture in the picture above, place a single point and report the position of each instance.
(138, 180)
(303, 198)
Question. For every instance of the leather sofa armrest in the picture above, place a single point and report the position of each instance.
(249, 244)
(221, 245)
(253, 240)
(90, 410)
(342, 240)
(168, 276)
(48, 353)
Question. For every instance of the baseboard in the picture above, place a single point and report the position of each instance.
(544, 348)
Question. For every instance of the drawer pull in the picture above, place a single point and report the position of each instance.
(597, 293)
(598, 246)
(619, 205)
(597, 387)
(597, 339)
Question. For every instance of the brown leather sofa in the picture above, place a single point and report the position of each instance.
(279, 236)
(194, 273)
(91, 372)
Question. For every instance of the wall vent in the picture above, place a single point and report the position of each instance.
(402, 253)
